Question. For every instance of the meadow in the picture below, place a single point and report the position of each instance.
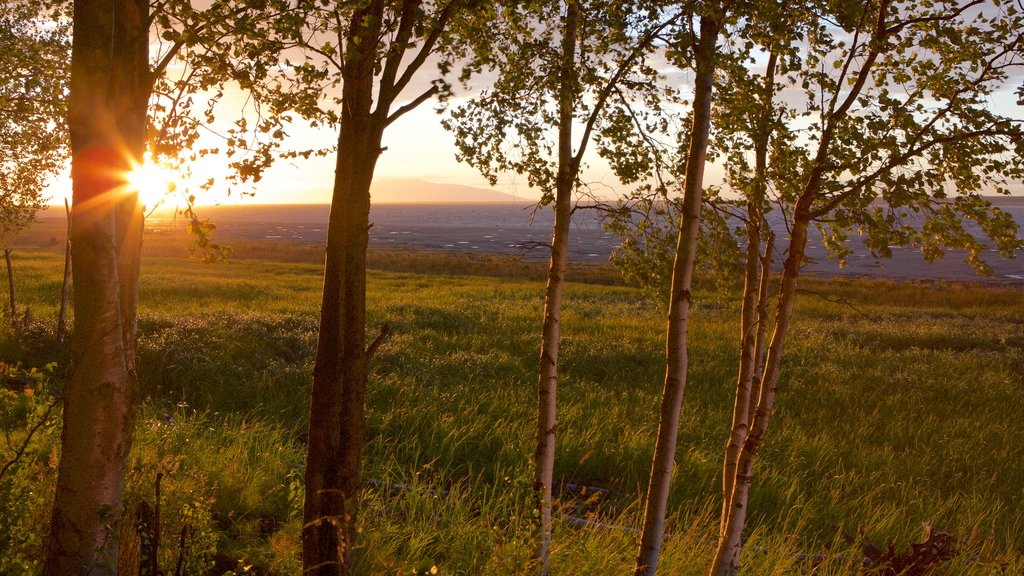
(899, 405)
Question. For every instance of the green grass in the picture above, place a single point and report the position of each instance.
(906, 415)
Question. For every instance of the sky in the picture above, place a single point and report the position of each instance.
(417, 147)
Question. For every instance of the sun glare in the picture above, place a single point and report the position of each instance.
(153, 184)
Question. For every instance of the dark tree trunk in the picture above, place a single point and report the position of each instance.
(337, 409)
(679, 304)
(10, 288)
(107, 118)
(65, 287)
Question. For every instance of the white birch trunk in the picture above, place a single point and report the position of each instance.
(107, 118)
(679, 305)
(547, 383)
(727, 556)
(751, 320)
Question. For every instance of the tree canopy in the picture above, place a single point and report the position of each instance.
(35, 45)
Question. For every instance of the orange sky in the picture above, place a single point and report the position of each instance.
(417, 148)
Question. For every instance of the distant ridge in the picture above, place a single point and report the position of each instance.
(412, 191)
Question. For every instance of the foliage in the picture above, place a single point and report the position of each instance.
(192, 74)
(901, 112)
(909, 159)
(319, 38)
(647, 235)
(512, 125)
(29, 424)
(35, 44)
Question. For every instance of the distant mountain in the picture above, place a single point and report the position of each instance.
(411, 191)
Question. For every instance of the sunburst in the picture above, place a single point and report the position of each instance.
(153, 183)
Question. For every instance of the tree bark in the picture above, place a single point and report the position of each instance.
(547, 383)
(762, 324)
(10, 288)
(107, 119)
(748, 356)
(751, 320)
(727, 556)
(65, 287)
(337, 406)
(679, 304)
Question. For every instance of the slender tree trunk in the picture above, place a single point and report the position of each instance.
(762, 325)
(107, 118)
(748, 356)
(727, 557)
(547, 384)
(10, 288)
(337, 406)
(65, 287)
(679, 304)
(750, 319)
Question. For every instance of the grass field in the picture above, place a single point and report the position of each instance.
(899, 405)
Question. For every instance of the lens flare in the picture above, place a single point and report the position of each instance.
(153, 184)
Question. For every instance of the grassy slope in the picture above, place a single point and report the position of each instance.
(885, 421)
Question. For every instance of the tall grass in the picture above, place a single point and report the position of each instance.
(897, 407)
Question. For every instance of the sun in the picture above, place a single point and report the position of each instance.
(153, 184)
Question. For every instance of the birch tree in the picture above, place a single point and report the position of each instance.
(107, 122)
(704, 56)
(111, 86)
(903, 143)
(34, 46)
(748, 117)
(552, 79)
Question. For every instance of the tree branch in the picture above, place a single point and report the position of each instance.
(426, 95)
(395, 53)
(28, 438)
(612, 84)
(842, 301)
(426, 49)
(899, 26)
(372, 348)
(864, 181)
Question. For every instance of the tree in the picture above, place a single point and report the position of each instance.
(107, 122)
(376, 51)
(705, 56)
(901, 121)
(747, 118)
(33, 83)
(200, 55)
(583, 72)
(112, 84)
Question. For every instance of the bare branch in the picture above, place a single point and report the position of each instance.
(372, 349)
(423, 97)
(426, 49)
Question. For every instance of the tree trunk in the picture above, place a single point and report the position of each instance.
(10, 288)
(107, 118)
(65, 287)
(547, 383)
(727, 557)
(679, 304)
(337, 406)
(751, 318)
(748, 356)
(762, 326)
